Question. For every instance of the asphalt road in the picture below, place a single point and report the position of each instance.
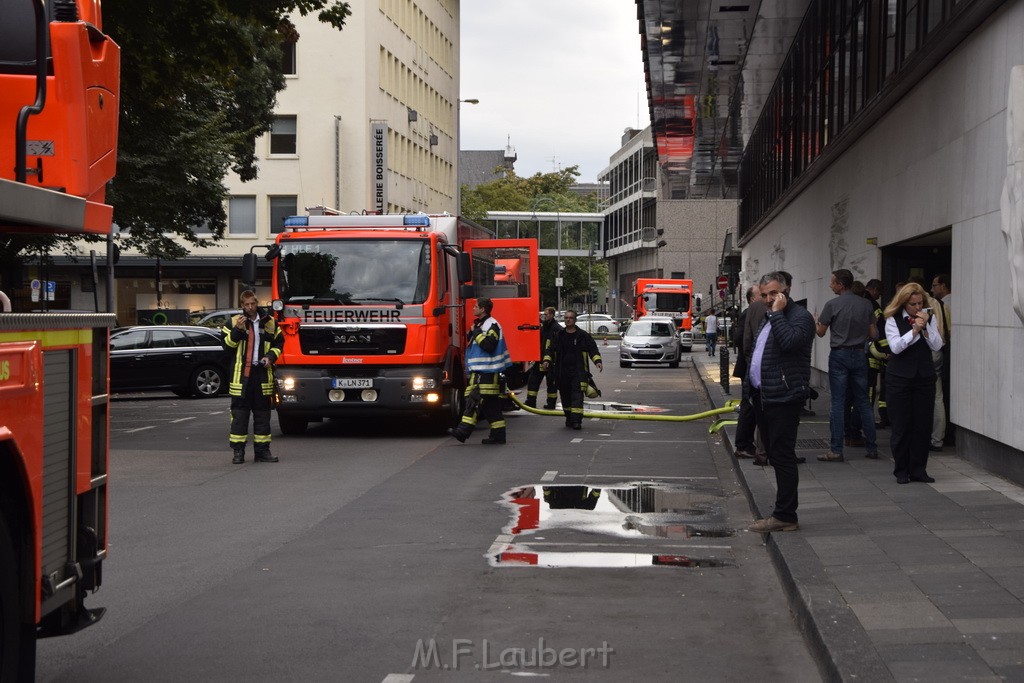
(381, 551)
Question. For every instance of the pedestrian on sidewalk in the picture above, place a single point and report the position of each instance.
(779, 377)
(711, 332)
(746, 425)
(910, 381)
(942, 294)
(852, 324)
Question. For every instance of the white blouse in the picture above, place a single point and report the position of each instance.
(898, 343)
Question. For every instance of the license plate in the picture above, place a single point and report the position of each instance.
(352, 384)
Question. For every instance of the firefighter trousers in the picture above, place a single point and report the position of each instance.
(537, 375)
(251, 402)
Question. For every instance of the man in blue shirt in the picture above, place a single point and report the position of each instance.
(779, 378)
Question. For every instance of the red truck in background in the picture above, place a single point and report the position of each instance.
(374, 311)
(664, 297)
(59, 90)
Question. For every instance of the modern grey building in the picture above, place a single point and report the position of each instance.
(882, 136)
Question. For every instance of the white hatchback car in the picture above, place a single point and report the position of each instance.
(597, 323)
(650, 340)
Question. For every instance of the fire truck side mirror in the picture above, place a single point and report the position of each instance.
(249, 268)
(467, 292)
(464, 267)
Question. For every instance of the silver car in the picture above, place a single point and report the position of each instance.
(650, 340)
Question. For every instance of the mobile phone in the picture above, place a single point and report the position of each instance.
(927, 309)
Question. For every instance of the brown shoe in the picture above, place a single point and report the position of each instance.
(761, 460)
(831, 457)
(744, 453)
(767, 526)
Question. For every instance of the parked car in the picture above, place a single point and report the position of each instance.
(650, 340)
(597, 323)
(187, 360)
(214, 319)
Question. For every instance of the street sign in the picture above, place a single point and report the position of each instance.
(558, 282)
(723, 282)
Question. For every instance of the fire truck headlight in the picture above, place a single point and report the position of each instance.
(277, 305)
(433, 397)
(368, 395)
(287, 384)
(420, 383)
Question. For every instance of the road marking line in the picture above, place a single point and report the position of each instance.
(398, 678)
(139, 429)
(619, 545)
(502, 542)
(638, 477)
(182, 419)
(639, 441)
(217, 412)
(549, 475)
(577, 441)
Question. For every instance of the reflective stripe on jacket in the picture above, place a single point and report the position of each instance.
(271, 344)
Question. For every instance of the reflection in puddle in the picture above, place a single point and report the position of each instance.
(634, 515)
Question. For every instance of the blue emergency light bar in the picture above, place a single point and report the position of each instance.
(409, 220)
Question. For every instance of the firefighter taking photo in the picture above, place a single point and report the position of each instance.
(257, 343)
(486, 359)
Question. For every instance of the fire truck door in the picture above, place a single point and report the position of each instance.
(506, 271)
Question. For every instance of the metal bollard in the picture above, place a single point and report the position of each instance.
(723, 367)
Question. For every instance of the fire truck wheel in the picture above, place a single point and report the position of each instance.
(207, 381)
(16, 642)
(291, 424)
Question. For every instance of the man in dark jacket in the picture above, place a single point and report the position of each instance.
(745, 424)
(779, 376)
(572, 353)
(549, 329)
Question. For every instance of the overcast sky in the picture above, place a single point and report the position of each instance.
(562, 78)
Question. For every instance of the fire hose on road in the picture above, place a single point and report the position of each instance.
(731, 406)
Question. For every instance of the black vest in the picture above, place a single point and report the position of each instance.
(916, 360)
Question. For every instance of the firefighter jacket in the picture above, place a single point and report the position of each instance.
(487, 351)
(548, 331)
(271, 342)
(572, 353)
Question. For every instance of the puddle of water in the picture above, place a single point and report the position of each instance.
(637, 512)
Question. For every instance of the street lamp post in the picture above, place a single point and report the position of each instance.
(458, 149)
(558, 236)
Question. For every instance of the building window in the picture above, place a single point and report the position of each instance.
(242, 216)
(282, 135)
(288, 58)
(281, 208)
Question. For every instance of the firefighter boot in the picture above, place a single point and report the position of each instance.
(495, 438)
(238, 456)
(459, 433)
(550, 405)
(531, 402)
(264, 456)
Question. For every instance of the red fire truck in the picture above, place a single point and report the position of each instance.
(671, 298)
(374, 311)
(59, 91)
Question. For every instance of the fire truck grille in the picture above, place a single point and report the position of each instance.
(326, 341)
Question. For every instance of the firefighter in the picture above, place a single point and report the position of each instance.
(878, 354)
(486, 358)
(256, 340)
(549, 329)
(572, 351)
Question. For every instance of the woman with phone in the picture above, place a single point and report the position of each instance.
(912, 334)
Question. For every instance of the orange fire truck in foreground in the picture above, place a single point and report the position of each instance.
(672, 298)
(374, 311)
(58, 136)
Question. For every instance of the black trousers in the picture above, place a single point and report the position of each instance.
(252, 401)
(779, 425)
(533, 381)
(570, 386)
(746, 425)
(911, 407)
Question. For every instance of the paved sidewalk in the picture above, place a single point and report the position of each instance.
(919, 582)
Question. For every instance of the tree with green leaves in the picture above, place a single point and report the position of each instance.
(542, 192)
(199, 80)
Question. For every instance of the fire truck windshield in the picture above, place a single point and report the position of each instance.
(672, 301)
(355, 271)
